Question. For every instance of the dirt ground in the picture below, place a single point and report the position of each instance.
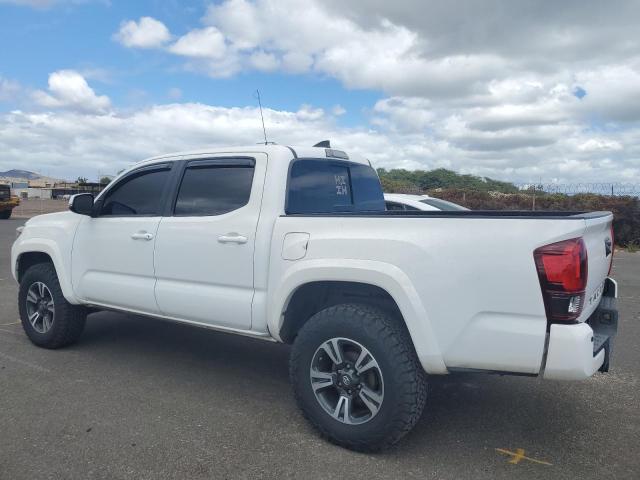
(35, 206)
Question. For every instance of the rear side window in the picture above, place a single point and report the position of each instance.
(138, 194)
(322, 186)
(213, 190)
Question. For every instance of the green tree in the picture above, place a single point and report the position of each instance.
(105, 180)
(418, 181)
(81, 180)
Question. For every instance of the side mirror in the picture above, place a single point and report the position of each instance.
(82, 203)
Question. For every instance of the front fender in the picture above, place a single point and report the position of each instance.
(52, 249)
(380, 274)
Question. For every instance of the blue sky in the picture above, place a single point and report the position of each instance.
(510, 90)
(79, 37)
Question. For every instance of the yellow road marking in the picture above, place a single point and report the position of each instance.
(519, 455)
(5, 324)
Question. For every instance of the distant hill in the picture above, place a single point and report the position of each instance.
(21, 174)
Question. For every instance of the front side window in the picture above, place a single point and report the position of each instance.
(138, 194)
(213, 190)
(327, 186)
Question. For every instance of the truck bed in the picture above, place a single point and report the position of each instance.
(476, 281)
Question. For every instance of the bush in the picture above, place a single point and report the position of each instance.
(626, 209)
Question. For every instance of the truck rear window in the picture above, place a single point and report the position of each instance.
(328, 186)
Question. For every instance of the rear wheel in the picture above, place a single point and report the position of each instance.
(47, 318)
(5, 214)
(356, 377)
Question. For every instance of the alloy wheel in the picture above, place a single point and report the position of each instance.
(347, 381)
(40, 307)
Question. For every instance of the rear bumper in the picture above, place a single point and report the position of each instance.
(570, 353)
(577, 351)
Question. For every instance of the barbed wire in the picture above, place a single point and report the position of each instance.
(613, 189)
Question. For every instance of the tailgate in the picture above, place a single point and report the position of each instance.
(598, 239)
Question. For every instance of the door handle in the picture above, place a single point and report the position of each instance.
(142, 236)
(232, 238)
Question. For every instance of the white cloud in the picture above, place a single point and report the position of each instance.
(338, 110)
(263, 61)
(69, 143)
(146, 33)
(595, 144)
(68, 89)
(493, 88)
(9, 89)
(296, 62)
(240, 21)
(205, 43)
(612, 92)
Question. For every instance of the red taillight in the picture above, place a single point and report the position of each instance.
(562, 270)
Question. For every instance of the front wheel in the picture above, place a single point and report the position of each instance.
(356, 377)
(47, 318)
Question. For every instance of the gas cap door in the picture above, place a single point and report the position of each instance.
(294, 245)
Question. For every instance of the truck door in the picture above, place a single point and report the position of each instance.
(112, 256)
(205, 246)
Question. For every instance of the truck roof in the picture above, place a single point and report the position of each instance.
(297, 151)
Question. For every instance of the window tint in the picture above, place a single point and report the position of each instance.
(213, 190)
(321, 186)
(367, 191)
(140, 194)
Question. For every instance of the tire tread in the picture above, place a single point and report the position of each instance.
(397, 341)
(69, 319)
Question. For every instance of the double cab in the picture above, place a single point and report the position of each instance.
(294, 245)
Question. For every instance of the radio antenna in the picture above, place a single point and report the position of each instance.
(264, 130)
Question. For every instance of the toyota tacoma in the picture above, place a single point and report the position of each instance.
(294, 245)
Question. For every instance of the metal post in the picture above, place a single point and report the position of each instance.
(533, 206)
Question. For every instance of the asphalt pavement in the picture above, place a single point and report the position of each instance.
(143, 399)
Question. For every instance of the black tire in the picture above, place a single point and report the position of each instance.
(4, 215)
(388, 341)
(68, 320)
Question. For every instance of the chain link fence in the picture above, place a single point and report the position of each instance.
(610, 189)
(37, 202)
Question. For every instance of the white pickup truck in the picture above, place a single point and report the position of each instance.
(294, 245)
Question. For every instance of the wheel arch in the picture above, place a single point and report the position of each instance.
(27, 260)
(43, 251)
(311, 286)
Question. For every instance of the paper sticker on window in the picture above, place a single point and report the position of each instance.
(341, 185)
